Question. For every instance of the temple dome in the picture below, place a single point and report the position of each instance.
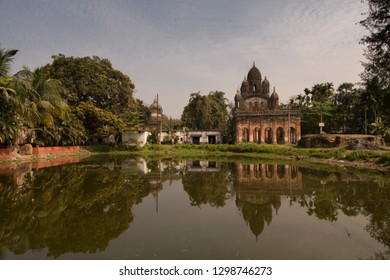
(266, 82)
(274, 95)
(254, 73)
(155, 107)
(244, 86)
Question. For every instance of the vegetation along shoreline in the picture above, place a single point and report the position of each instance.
(341, 157)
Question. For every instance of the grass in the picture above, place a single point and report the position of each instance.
(384, 159)
(252, 150)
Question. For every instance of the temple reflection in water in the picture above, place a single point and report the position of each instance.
(273, 177)
(259, 188)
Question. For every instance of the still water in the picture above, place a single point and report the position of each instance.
(127, 208)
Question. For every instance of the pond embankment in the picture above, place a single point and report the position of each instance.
(40, 157)
(374, 159)
(371, 159)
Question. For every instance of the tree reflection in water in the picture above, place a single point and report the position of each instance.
(69, 208)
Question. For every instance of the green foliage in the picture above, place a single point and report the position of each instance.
(377, 41)
(137, 118)
(6, 58)
(170, 124)
(205, 112)
(94, 80)
(380, 128)
(133, 119)
(8, 121)
(170, 139)
(316, 106)
(348, 113)
(384, 159)
(376, 74)
(375, 99)
(153, 137)
(360, 155)
(8, 128)
(98, 121)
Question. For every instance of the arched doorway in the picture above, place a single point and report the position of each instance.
(280, 135)
(268, 135)
(293, 135)
(257, 135)
(245, 135)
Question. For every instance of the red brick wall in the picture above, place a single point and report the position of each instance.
(6, 153)
(55, 150)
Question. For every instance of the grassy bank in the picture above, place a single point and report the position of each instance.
(251, 152)
(266, 151)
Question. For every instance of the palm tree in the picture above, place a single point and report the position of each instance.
(45, 95)
(46, 106)
(32, 102)
(8, 120)
(6, 57)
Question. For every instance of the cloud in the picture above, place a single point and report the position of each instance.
(177, 47)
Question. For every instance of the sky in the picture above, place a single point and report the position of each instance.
(177, 47)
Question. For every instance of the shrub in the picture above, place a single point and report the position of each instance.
(360, 155)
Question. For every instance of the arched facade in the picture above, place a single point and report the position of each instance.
(258, 117)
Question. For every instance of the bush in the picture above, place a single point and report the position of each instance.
(384, 159)
(360, 155)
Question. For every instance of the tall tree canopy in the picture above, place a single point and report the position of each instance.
(32, 108)
(376, 76)
(206, 111)
(8, 103)
(65, 102)
(318, 108)
(94, 80)
(377, 41)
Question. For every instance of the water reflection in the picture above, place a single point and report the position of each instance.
(69, 208)
(259, 188)
(205, 183)
(82, 207)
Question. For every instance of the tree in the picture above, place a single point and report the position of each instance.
(96, 90)
(98, 121)
(45, 94)
(348, 114)
(377, 41)
(379, 128)
(8, 121)
(54, 123)
(6, 58)
(94, 80)
(316, 107)
(376, 74)
(206, 111)
(15, 106)
(138, 118)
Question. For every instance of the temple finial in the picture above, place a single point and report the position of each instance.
(253, 63)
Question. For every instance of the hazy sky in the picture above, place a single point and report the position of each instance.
(174, 47)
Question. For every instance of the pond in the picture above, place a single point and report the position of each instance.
(131, 208)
